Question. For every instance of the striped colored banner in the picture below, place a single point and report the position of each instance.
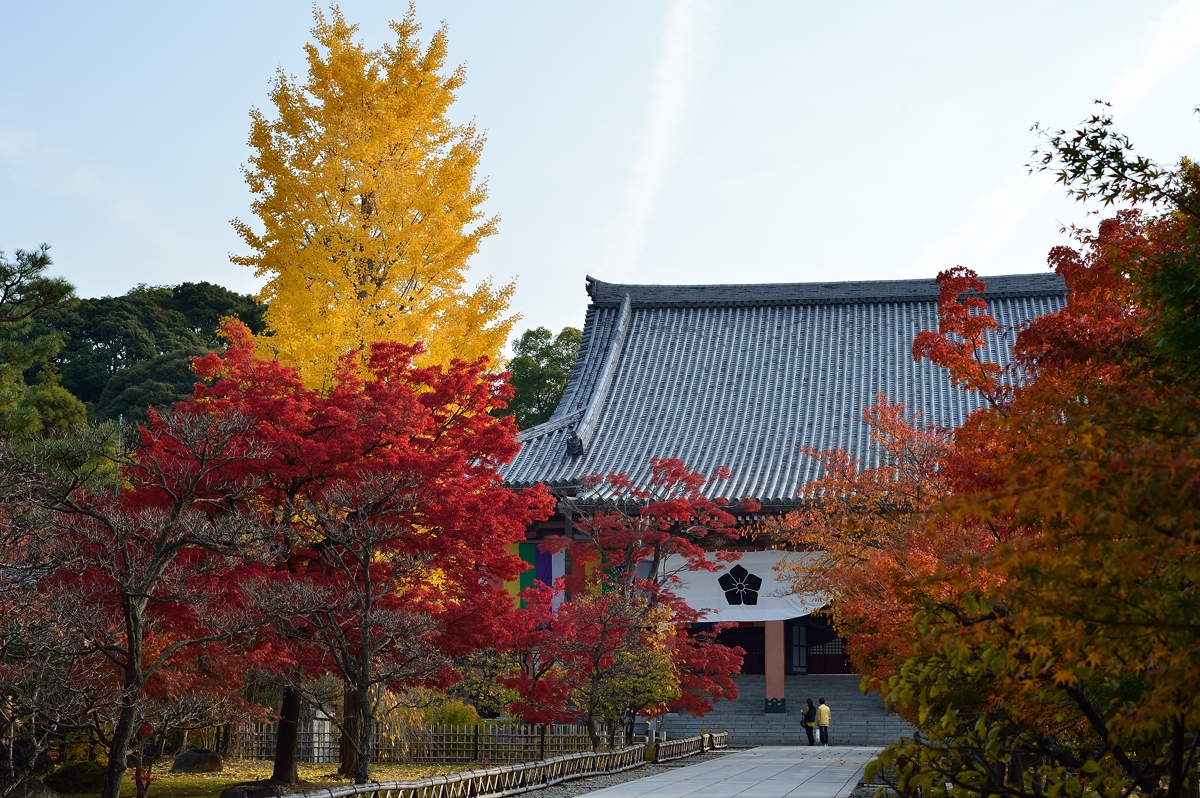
(540, 565)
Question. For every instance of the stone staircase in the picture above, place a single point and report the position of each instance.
(856, 719)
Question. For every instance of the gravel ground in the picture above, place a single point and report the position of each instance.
(570, 789)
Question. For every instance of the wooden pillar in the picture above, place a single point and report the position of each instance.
(775, 655)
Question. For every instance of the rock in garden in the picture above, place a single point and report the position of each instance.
(197, 760)
(33, 788)
(22, 758)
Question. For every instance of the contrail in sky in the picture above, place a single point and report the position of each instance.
(672, 87)
(1176, 35)
(1174, 38)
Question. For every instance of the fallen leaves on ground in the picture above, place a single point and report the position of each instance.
(237, 771)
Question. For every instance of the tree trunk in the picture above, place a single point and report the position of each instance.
(225, 735)
(285, 771)
(141, 774)
(134, 682)
(593, 732)
(366, 731)
(349, 754)
(118, 751)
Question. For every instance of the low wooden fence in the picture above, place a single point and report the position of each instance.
(497, 781)
(491, 744)
(678, 749)
(488, 743)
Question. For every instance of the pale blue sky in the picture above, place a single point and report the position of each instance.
(687, 141)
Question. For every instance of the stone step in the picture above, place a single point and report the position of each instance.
(857, 719)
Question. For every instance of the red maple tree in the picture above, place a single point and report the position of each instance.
(131, 589)
(621, 646)
(391, 512)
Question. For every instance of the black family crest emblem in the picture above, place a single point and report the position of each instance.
(740, 586)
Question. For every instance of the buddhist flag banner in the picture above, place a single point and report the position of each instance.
(542, 567)
(750, 589)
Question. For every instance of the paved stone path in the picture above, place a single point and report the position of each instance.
(766, 772)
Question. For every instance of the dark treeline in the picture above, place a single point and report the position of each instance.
(67, 358)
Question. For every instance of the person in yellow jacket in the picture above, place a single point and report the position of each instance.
(823, 721)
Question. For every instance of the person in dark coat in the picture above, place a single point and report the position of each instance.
(810, 721)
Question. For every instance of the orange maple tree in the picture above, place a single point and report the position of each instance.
(876, 556)
(1025, 588)
(1071, 669)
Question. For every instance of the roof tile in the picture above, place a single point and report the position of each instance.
(748, 376)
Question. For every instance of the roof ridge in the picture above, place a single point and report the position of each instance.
(1038, 284)
(581, 436)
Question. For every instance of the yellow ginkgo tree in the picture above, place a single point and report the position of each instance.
(369, 206)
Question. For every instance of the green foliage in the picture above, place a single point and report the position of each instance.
(477, 683)
(31, 399)
(1170, 282)
(76, 777)
(109, 335)
(205, 304)
(451, 713)
(25, 290)
(1094, 162)
(638, 678)
(161, 381)
(541, 367)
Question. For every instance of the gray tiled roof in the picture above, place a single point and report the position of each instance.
(746, 376)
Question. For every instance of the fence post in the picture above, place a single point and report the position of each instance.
(542, 741)
(475, 748)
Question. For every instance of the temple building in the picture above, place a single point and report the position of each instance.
(748, 377)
